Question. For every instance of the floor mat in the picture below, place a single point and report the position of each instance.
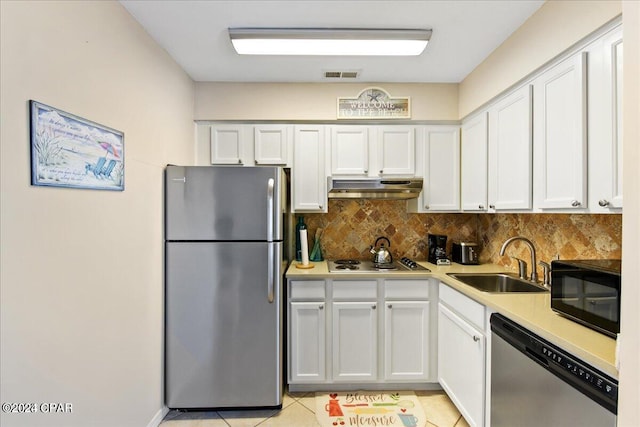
(369, 408)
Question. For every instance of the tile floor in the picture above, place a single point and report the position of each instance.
(298, 410)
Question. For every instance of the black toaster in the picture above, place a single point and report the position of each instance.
(464, 252)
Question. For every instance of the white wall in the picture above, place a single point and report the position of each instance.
(314, 101)
(81, 271)
(553, 28)
(629, 410)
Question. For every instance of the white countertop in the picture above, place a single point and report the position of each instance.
(531, 310)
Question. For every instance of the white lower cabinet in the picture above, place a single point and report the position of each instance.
(355, 343)
(307, 339)
(376, 331)
(462, 354)
(406, 346)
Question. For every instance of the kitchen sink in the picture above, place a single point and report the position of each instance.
(497, 282)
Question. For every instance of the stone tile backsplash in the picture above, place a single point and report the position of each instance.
(570, 236)
(351, 226)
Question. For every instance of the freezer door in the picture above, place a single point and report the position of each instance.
(223, 325)
(224, 203)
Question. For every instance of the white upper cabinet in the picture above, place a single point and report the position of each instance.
(605, 121)
(396, 150)
(370, 151)
(228, 144)
(249, 145)
(510, 152)
(350, 150)
(271, 144)
(473, 161)
(559, 135)
(440, 165)
(309, 178)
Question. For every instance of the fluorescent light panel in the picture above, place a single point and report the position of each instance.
(328, 41)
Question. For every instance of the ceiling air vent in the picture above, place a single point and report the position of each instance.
(341, 74)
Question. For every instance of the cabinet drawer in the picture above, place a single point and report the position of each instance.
(463, 305)
(306, 289)
(355, 289)
(406, 289)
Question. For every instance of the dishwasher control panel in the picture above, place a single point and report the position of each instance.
(580, 375)
(581, 372)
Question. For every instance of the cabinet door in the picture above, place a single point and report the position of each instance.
(307, 342)
(228, 143)
(605, 121)
(271, 144)
(406, 340)
(510, 152)
(560, 145)
(354, 338)
(461, 364)
(441, 190)
(350, 150)
(396, 150)
(309, 176)
(473, 161)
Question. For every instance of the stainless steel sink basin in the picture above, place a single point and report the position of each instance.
(497, 282)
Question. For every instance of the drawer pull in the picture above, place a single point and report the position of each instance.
(476, 338)
(390, 306)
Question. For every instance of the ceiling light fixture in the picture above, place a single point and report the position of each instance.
(329, 41)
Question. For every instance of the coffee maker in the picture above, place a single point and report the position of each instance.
(437, 248)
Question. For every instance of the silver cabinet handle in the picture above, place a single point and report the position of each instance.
(575, 203)
(492, 206)
(476, 338)
(603, 203)
(373, 306)
(381, 171)
(426, 206)
(321, 307)
(366, 171)
(480, 206)
(390, 306)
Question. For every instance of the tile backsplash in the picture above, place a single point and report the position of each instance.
(351, 226)
(570, 236)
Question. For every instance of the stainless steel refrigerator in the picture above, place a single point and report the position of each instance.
(225, 237)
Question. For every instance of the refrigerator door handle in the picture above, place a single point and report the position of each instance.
(271, 262)
(270, 216)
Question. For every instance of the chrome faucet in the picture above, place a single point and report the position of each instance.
(522, 265)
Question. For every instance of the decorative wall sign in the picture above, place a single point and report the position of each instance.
(374, 103)
(68, 151)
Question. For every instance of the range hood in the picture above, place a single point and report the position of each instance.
(374, 188)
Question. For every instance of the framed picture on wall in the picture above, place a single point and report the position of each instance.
(69, 151)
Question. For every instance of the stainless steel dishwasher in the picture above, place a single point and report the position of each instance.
(535, 383)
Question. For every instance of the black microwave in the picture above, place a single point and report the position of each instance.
(588, 292)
